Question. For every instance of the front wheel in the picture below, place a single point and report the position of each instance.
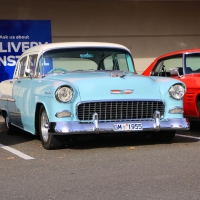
(163, 136)
(49, 141)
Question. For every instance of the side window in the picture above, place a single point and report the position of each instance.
(192, 63)
(22, 67)
(162, 68)
(32, 62)
(16, 72)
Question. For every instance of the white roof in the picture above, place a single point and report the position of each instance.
(44, 47)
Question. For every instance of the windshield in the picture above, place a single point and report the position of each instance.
(64, 60)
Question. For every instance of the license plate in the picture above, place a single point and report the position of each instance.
(128, 127)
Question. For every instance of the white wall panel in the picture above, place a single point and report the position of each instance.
(147, 28)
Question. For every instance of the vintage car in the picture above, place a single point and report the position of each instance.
(182, 65)
(67, 89)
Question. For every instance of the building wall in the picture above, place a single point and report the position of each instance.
(147, 28)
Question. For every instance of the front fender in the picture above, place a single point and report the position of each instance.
(164, 85)
(43, 92)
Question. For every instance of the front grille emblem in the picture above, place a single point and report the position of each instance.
(121, 91)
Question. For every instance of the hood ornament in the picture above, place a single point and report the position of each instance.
(120, 74)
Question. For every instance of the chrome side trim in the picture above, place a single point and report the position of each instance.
(75, 127)
(10, 99)
(7, 99)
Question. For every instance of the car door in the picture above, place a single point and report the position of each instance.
(16, 88)
(7, 100)
(23, 91)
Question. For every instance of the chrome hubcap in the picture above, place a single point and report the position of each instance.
(7, 122)
(44, 127)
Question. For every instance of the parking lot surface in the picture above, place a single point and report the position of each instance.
(122, 167)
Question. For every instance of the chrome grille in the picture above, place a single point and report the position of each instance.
(119, 110)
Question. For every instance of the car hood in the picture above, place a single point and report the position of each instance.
(98, 85)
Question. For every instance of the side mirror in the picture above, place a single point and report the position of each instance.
(29, 73)
(174, 72)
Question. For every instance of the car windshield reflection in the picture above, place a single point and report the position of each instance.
(84, 59)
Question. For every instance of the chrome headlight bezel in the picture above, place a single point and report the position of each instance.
(177, 91)
(64, 94)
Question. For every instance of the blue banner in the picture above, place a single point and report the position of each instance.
(16, 36)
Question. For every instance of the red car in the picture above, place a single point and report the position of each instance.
(183, 65)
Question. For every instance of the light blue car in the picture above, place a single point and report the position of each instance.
(88, 88)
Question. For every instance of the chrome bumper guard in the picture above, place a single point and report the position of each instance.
(95, 127)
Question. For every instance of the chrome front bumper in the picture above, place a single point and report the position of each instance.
(96, 127)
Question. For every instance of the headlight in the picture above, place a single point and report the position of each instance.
(64, 94)
(177, 91)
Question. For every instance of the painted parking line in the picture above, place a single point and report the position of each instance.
(16, 152)
(188, 136)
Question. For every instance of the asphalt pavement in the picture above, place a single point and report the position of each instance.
(114, 168)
